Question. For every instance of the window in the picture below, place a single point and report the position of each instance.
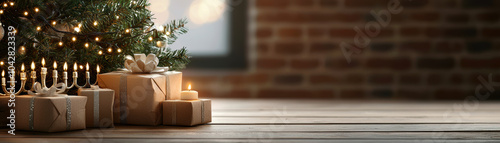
(217, 30)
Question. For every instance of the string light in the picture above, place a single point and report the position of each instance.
(117, 17)
(38, 28)
(5, 5)
(25, 13)
(150, 38)
(110, 50)
(96, 38)
(77, 29)
(60, 43)
(95, 23)
(54, 22)
(22, 48)
(161, 28)
(79, 25)
(119, 50)
(81, 67)
(1, 63)
(127, 31)
(74, 39)
(168, 32)
(100, 52)
(36, 9)
(11, 3)
(1, 11)
(86, 45)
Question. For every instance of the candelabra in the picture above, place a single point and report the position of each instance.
(43, 74)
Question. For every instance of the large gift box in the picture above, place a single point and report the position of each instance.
(138, 97)
(50, 114)
(187, 112)
(4, 111)
(99, 107)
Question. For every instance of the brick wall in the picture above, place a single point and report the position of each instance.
(432, 49)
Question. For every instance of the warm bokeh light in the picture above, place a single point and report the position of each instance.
(206, 11)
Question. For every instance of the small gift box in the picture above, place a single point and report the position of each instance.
(99, 107)
(50, 114)
(187, 112)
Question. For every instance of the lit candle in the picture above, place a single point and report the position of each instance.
(189, 94)
(87, 74)
(98, 69)
(65, 73)
(23, 74)
(75, 71)
(3, 78)
(54, 72)
(44, 69)
(33, 72)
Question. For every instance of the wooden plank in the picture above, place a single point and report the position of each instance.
(351, 120)
(354, 113)
(86, 140)
(97, 134)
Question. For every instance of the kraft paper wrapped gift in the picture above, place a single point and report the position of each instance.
(138, 97)
(187, 112)
(99, 107)
(4, 111)
(50, 114)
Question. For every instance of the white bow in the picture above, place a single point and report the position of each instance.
(48, 92)
(142, 64)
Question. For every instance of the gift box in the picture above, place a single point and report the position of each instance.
(138, 97)
(4, 111)
(187, 112)
(50, 114)
(99, 107)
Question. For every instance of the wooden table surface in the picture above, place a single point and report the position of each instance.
(270, 120)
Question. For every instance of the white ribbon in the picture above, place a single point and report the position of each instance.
(140, 63)
(48, 92)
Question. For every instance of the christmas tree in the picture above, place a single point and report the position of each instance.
(88, 31)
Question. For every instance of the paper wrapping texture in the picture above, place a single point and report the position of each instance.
(49, 114)
(105, 99)
(187, 112)
(143, 93)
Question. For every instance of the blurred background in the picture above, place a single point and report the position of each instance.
(430, 50)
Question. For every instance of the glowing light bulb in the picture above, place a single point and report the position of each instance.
(97, 39)
(23, 48)
(1, 63)
(77, 29)
(117, 17)
(110, 50)
(38, 28)
(161, 28)
(100, 52)
(119, 50)
(11, 3)
(81, 67)
(127, 31)
(150, 38)
(5, 5)
(168, 32)
(79, 25)
(60, 43)
(54, 22)
(95, 23)
(74, 39)
(25, 13)
(36, 9)
(1, 11)
(86, 45)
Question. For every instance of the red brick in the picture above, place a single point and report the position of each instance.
(263, 48)
(270, 63)
(449, 47)
(323, 47)
(440, 63)
(489, 17)
(491, 32)
(435, 79)
(347, 17)
(258, 78)
(409, 79)
(293, 93)
(414, 3)
(416, 46)
(316, 32)
(263, 33)
(352, 94)
(451, 94)
(272, 3)
(323, 79)
(396, 63)
(480, 63)
(381, 79)
(341, 63)
(458, 18)
(365, 3)
(289, 48)
(304, 64)
(353, 79)
(411, 31)
(328, 3)
(289, 79)
(456, 78)
(342, 33)
(425, 16)
(303, 3)
(290, 32)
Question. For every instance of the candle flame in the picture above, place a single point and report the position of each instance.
(43, 62)
(75, 67)
(32, 65)
(87, 66)
(22, 67)
(98, 69)
(3, 73)
(189, 87)
(65, 67)
(55, 65)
